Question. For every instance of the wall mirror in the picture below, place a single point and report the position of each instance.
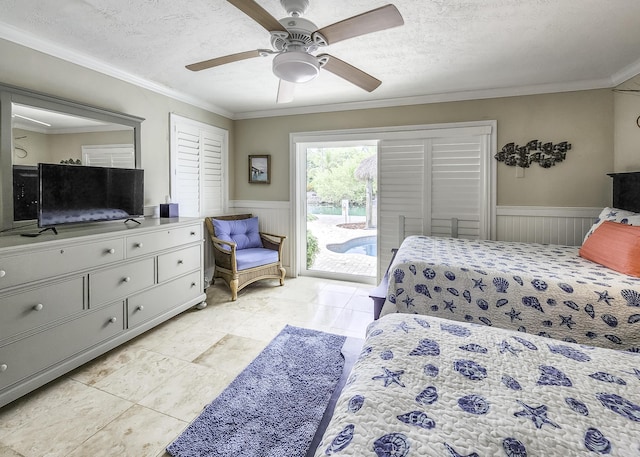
(38, 128)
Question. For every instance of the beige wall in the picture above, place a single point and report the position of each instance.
(627, 131)
(29, 69)
(585, 119)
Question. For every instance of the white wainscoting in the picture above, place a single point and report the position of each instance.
(549, 225)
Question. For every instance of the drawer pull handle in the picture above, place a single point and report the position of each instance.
(113, 320)
(126, 279)
(193, 233)
(111, 251)
(141, 308)
(193, 284)
(38, 307)
(3, 367)
(180, 262)
(139, 245)
(2, 273)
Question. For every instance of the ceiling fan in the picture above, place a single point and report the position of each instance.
(295, 40)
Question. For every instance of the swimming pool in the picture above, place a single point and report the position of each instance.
(365, 245)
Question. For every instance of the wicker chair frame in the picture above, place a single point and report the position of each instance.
(225, 260)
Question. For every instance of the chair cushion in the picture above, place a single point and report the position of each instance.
(243, 232)
(254, 257)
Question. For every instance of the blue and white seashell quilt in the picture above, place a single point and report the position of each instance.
(425, 386)
(546, 290)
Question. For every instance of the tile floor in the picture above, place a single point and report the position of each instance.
(137, 398)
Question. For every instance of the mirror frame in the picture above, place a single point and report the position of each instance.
(12, 94)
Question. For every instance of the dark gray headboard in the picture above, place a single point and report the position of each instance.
(626, 191)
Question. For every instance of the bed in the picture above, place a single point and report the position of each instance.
(547, 290)
(425, 386)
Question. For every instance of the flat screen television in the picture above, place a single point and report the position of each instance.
(71, 194)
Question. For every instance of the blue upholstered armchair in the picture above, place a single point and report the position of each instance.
(242, 253)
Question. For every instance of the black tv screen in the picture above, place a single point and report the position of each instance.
(70, 194)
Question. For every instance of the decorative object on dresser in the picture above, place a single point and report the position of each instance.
(242, 253)
(67, 300)
(545, 154)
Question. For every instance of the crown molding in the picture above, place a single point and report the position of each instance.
(10, 33)
(626, 73)
(436, 98)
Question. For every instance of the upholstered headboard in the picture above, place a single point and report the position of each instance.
(626, 191)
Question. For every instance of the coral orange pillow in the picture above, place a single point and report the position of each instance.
(616, 246)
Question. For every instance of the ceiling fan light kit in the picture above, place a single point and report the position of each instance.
(295, 39)
(296, 66)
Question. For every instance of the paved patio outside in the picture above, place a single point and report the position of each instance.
(326, 230)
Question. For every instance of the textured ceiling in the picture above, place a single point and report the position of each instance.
(447, 49)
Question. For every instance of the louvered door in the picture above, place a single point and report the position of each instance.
(197, 158)
(434, 182)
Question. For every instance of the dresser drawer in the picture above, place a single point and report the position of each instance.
(30, 355)
(164, 297)
(148, 243)
(108, 285)
(41, 264)
(179, 262)
(34, 308)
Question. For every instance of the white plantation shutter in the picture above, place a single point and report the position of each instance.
(109, 155)
(437, 182)
(212, 176)
(455, 186)
(197, 167)
(401, 189)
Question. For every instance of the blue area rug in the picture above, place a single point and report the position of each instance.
(273, 408)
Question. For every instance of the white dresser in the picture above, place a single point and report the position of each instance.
(68, 298)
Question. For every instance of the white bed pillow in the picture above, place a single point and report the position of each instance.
(615, 215)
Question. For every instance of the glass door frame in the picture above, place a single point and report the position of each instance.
(299, 145)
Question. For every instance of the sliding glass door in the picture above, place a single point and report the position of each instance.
(339, 210)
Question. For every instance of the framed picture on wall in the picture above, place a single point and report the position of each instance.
(260, 169)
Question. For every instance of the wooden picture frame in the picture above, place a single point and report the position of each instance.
(260, 169)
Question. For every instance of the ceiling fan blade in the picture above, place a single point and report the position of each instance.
(381, 18)
(223, 60)
(259, 14)
(286, 90)
(350, 73)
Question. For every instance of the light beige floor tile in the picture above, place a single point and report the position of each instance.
(189, 343)
(334, 298)
(58, 419)
(231, 354)
(188, 391)
(353, 321)
(360, 303)
(139, 377)
(92, 372)
(8, 452)
(262, 327)
(138, 432)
